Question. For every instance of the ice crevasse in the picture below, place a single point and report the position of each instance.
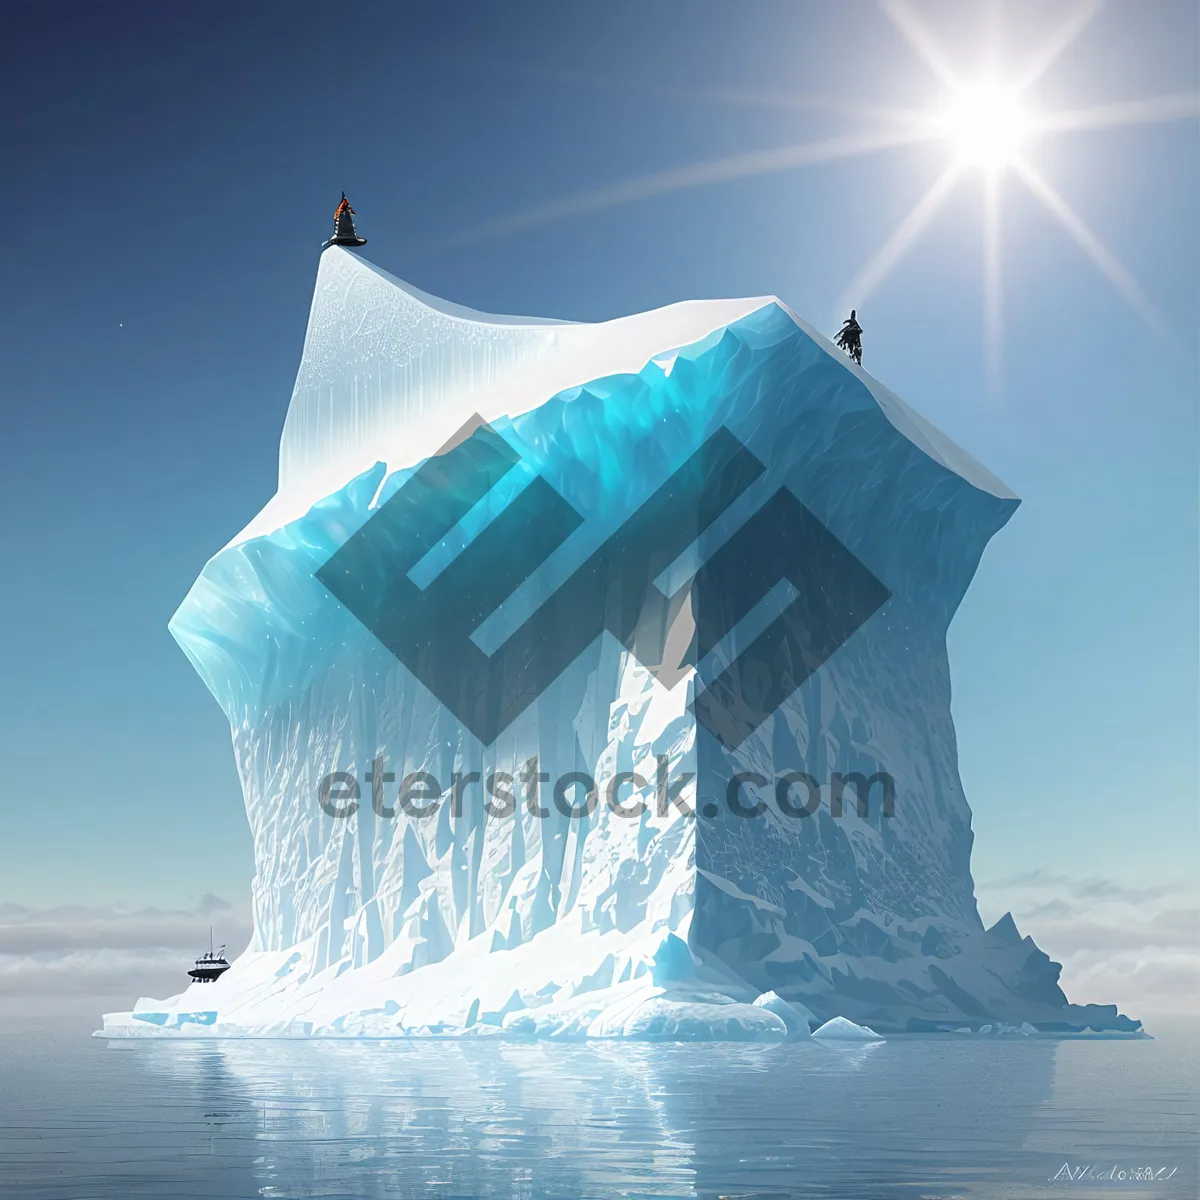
(686, 921)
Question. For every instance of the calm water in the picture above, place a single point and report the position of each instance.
(80, 1118)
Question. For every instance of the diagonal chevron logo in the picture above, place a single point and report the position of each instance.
(614, 590)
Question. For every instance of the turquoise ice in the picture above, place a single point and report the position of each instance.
(665, 925)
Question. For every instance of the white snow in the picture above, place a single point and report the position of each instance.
(840, 1030)
(795, 1016)
(388, 373)
(468, 924)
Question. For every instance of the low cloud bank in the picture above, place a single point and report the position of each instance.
(1136, 947)
(66, 956)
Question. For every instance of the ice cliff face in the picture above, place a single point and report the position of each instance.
(571, 915)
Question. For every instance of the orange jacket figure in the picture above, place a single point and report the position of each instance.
(344, 233)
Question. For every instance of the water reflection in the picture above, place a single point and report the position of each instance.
(531, 1120)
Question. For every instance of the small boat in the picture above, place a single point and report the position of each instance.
(210, 966)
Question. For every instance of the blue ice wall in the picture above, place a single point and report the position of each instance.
(866, 915)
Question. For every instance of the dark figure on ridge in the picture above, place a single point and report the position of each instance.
(344, 233)
(849, 337)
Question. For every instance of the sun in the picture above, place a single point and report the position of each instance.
(988, 126)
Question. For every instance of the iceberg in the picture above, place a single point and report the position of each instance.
(590, 680)
(838, 1029)
(797, 1019)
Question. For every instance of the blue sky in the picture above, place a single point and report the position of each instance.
(172, 174)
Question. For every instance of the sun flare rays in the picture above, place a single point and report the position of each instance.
(993, 282)
(1091, 245)
(676, 179)
(902, 238)
(919, 37)
(991, 127)
(1080, 17)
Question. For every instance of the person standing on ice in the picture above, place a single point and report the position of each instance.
(343, 218)
(849, 337)
(344, 233)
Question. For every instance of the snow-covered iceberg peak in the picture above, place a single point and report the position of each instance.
(389, 372)
(591, 680)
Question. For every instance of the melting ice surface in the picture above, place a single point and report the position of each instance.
(670, 926)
